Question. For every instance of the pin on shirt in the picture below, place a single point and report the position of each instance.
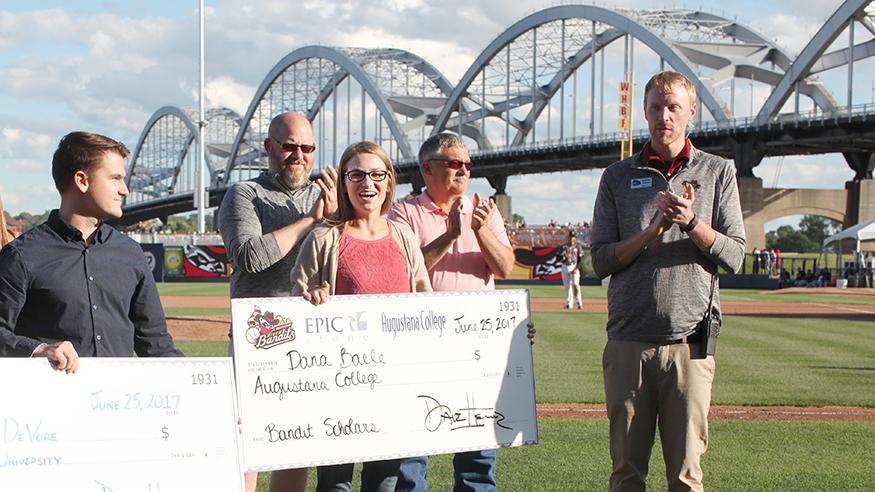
(640, 183)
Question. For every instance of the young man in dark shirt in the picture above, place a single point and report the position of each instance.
(74, 286)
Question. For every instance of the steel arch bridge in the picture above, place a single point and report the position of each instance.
(533, 101)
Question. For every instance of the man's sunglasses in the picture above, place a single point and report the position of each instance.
(357, 176)
(454, 164)
(290, 147)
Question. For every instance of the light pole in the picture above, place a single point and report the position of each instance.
(200, 197)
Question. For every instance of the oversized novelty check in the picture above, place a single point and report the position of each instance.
(376, 377)
(144, 425)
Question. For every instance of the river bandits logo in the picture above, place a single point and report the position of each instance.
(266, 330)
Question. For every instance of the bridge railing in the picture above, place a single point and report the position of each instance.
(746, 122)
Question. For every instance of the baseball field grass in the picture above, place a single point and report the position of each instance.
(786, 361)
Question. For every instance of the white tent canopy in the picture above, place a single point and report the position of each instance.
(864, 231)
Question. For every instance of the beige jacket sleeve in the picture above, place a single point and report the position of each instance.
(419, 279)
(317, 261)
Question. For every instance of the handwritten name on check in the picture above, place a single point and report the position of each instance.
(362, 378)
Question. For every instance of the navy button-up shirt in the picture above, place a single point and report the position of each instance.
(101, 297)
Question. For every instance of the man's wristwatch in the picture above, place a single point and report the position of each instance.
(692, 225)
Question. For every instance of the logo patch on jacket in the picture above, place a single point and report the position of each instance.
(695, 184)
(639, 183)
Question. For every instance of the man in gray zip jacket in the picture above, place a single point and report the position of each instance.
(264, 220)
(664, 220)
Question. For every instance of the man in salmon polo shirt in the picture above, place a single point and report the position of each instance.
(465, 246)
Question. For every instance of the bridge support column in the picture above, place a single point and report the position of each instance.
(502, 199)
(750, 190)
(862, 163)
(746, 155)
(417, 183)
(861, 201)
(505, 207)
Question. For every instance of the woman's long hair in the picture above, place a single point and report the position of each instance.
(345, 211)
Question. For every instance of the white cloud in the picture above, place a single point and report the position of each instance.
(792, 32)
(23, 151)
(227, 92)
(805, 171)
(109, 72)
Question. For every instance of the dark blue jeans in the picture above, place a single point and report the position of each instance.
(473, 471)
(377, 476)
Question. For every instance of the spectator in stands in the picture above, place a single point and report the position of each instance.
(262, 222)
(755, 256)
(360, 252)
(569, 256)
(800, 278)
(74, 286)
(785, 280)
(870, 270)
(773, 262)
(766, 262)
(811, 279)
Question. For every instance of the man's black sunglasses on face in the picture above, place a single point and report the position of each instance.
(290, 147)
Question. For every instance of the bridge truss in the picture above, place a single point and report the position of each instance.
(547, 81)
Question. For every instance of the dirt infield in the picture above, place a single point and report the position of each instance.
(740, 308)
(732, 308)
(215, 328)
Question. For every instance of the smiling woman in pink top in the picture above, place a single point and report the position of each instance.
(360, 252)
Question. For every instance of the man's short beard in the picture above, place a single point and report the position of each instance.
(288, 178)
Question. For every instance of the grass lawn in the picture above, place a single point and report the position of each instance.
(195, 311)
(194, 289)
(761, 361)
(762, 456)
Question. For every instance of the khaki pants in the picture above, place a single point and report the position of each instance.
(649, 384)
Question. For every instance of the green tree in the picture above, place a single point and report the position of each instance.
(817, 228)
(517, 219)
(786, 238)
(31, 220)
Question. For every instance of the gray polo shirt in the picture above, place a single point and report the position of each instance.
(664, 292)
(250, 212)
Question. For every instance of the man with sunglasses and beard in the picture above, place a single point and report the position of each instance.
(465, 246)
(264, 220)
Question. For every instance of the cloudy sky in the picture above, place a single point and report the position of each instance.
(106, 66)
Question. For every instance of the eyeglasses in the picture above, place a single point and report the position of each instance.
(290, 147)
(455, 164)
(357, 176)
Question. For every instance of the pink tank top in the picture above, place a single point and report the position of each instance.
(371, 267)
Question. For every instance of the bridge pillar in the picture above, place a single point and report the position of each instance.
(502, 199)
(751, 195)
(504, 203)
(862, 163)
(416, 183)
(861, 201)
(745, 155)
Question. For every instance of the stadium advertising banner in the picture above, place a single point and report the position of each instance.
(542, 263)
(154, 254)
(196, 262)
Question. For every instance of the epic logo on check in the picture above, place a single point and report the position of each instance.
(336, 324)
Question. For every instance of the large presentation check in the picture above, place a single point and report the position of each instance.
(138, 425)
(363, 378)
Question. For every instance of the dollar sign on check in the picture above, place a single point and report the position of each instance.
(164, 433)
